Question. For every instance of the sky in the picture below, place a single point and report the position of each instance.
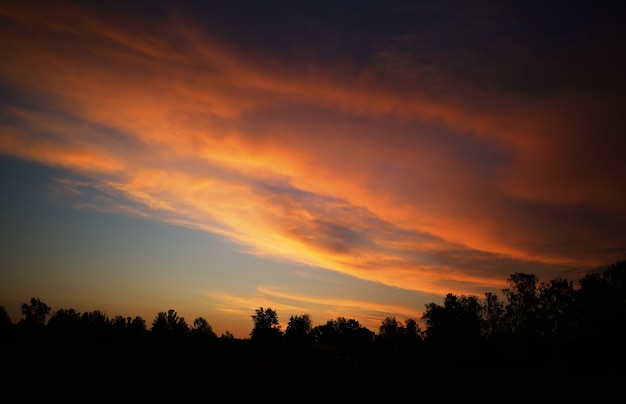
(336, 158)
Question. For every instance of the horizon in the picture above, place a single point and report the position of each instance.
(333, 159)
(282, 326)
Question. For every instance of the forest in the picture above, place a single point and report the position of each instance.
(556, 338)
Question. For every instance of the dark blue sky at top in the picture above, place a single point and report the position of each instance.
(572, 30)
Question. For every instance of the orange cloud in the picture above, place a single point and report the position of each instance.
(29, 140)
(344, 167)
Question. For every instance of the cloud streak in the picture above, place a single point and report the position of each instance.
(403, 164)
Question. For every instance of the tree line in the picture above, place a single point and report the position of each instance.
(538, 324)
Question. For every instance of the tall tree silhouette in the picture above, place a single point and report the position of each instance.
(412, 332)
(299, 328)
(266, 327)
(391, 331)
(601, 300)
(6, 325)
(202, 327)
(169, 323)
(227, 335)
(65, 322)
(459, 319)
(494, 318)
(5, 319)
(129, 326)
(454, 329)
(558, 315)
(96, 321)
(349, 337)
(522, 305)
(298, 338)
(35, 312)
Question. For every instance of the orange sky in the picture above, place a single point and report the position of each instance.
(417, 164)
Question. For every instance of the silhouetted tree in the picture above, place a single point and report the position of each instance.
(65, 322)
(397, 341)
(119, 323)
(299, 328)
(95, 321)
(558, 315)
(391, 331)
(266, 327)
(169, 323)
(128, 325)
(412, 332)
(35, 312)
(522, 305)
(615, 275)
(557, 320)
(459, 319)
(298, 335)
(325, 334)
(96, 326)
(137, 325)
(596, 302)
(537, 324)
(390, 338)
(454, 329)
(6, 325)
(5, 319)
(227, 335)
(348, 336)
(601, 301)
(493, 317)
(202, 327)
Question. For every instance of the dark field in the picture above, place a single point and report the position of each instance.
(178, 374)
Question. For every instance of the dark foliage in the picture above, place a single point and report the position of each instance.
(540, 335)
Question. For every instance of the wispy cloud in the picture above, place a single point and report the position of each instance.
(321, 308)
(412, 167)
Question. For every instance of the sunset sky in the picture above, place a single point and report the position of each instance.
(336, 158)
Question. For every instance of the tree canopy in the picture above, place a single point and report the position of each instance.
(266, 327)
(533, 322)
